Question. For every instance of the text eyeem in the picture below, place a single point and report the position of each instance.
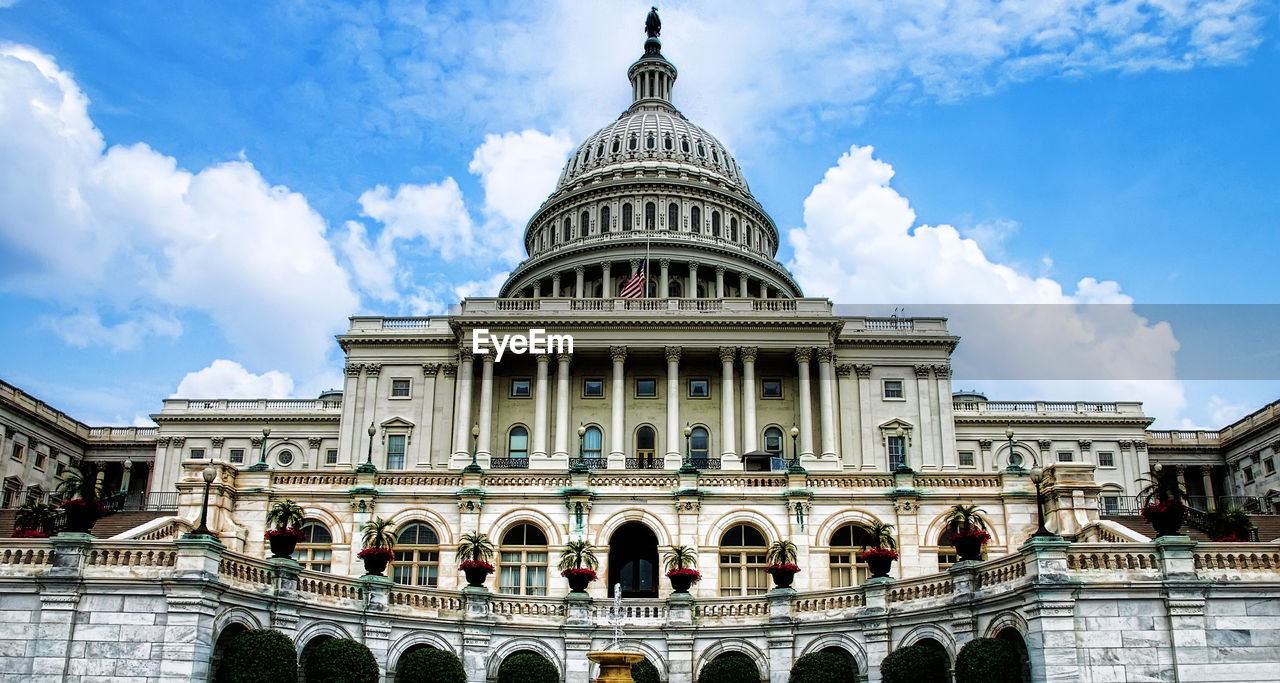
(537, 341)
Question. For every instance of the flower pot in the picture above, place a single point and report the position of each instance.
(968, 548)
(375, 564)
(680, 582)
(578, 582)
(782, 578)
(879, 565)
(1166, 522)
(80, 518)
(282, 545)
(476, 576)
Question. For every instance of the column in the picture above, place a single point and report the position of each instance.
(664, 269)
(537, 288)
(446, 387)
(540, 408)
(579, 272)
(692, 292)
(606, 290)
(462, 425)
(749, 442)
(946, 416)
(827, 403)
(674, 433)
(313, 453)
(764, 290)
(719, 282)
(928, 454)
(371, 371)
(1209, 495)
(555, 285)
(728, 449)
(805, 399)
(562, 407)
(847, 407)
(349, 426)
(616, 424)
(870, 454)
(422, 452)
(484, 443)
(742, 284)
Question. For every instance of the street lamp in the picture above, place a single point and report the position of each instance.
(687, 467)
(1015, 460)
(367, 465)
(202, 531)
(795, 452)
(262, 458)
(580, 464)
(1037, 475)
(475, 440)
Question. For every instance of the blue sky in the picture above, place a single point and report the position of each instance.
(193, 198)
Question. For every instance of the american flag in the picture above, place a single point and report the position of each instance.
(634, 288)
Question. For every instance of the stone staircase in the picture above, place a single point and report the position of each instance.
(1268, 527)
(108, 526)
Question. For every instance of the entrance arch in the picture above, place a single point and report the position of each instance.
(633, 561)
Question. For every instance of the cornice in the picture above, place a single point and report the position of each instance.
(256, 418)
(1041, 419)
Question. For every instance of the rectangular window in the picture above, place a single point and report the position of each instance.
(16, 453)
(1248, 474)
(593, 387)
(9, 496)
(893, 389)
(1065, 456)
(59, 470)
(1111, 505)
(897, 453)
(237, 455)
(197, 454)
(331, 456)
(699, 388)
(1106, 459)
(646, 388)
(770, 388)
(773, 442)
(399, 388)
(1269, 465)
(39, 463)
(966, 458)
(395, 452)
(521, 387)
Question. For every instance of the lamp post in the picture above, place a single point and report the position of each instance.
(1037, 475)
(687, 467)
(367, 465)
(124, 476)
(901, 435)
(580, 465)
(261, 465)
(475, 439)
(202, 531)
(795, 467)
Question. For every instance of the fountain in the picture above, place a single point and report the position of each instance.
(615, 664)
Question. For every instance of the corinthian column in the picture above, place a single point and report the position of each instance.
(578, 288)
(728, 450)
(462, 426)
(664, 270)
(483, 447)
(673, 457)
(619, 356)
(827, 403)
(562, 408)
(748, 399)
(606, 289)
(804, 396)
(540, 408)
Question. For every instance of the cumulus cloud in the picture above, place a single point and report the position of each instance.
(124, 229)
(228, 379)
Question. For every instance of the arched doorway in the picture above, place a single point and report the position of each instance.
(1014, 638)
(633, 561)
(305, 654)
(935, 646)
(845, 655)
(220, 646)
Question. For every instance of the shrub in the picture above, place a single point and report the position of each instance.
(822, 667)
(342, 660)
(258, 656)
(988, 660)
(913, 664)
(429, 665)
(730, 667)
(645, 672)
(527, 667)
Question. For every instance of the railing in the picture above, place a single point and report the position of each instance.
(851, 481)
(705, 463)
(919, 588)
(743, 480)
(826, 601)
(1004, 570)
(1132, 505)
(957, 481)
(525, 606)
(25, 556)
(312, 479)
(1211, 558)
(132, 554)
(256, 405)
(1079, 407)
(417, 599)
(157, 501)
(325, 585)
(635, 611)
(416, 479)
(245, 569)
(647, 463)
(590, 463)
(892, 323)
(405, 323)
(121, 433)
(731, 607)
(508, 463)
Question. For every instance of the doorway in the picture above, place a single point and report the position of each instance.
(633, 561)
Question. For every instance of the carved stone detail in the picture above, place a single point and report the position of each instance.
(673, 353)
(748, 353)
(942, 371)
(450, 369)
(353, 369)
(218, 441)
(430, 369)
(844, 369)
(863, 370)
(618, 353)
(314, 441)
(1086, 444)
(373, 369)
(824, 354)
(803, 354)
(922, 371)
(728, 353)
(984, 444)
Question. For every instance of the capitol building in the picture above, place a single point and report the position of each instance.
(690, 395)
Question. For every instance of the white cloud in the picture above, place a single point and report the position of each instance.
(228, 379)
(125, 229)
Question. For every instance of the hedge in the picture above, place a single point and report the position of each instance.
(988, 660)
(258, 656)
(527, 667)
(342, 660)
(914, 664)
(730, 667)
(645, 672)
(429, 665)
(823, 667)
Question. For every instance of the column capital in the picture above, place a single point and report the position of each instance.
(824, 354)
(673, 353)
(353, 369)
(803, 353)
(728, 353)
(579, 269)
(255, 441)
(1124, 444)
(430, 369)
(179, 441)
(693, 265)
(635, 265)
(162, 441)
(543, 358)
(218, 441)
(373, 369)
(844, 369)
(314, 441)
(984, 444)
(487, 359)
(606, 265)
(564, 358)
(1140, 445)
(450, 369)
(1045, 445)
(665, 262)
(922, 371)
(618, 353)
(942, 371)
(749, 353)
(720, 270)
(863, 370)
(465, 356)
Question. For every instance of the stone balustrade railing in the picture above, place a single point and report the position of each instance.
(637, 612)
(526, 606)
(1106, 557)
(331, 586)
(151, 557)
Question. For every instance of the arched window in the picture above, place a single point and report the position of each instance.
(604, 219)
(652, 292)
(417, 556)
(646, 448)
(651, 142)
(518, 443)
(568, 229)
(592, 442)
(847, 566)
(631, 142)
(733, 229)
(673, 216)
(684, 145)
(715, 156)
(315, 550)
(650, 215)
(773, 442)
(699, 443)
(584, 226)
(702, 151)
(666, 142)
(675, 290)
(626, 216)
(715, 223)
(617, 145)
(522, 555)
(742, 561)
(599, 150)
(695, 220)
(947, 555)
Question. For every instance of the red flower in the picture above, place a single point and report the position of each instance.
(788, 567)
(29, 533)
(82, 503)
(293, 532)
(1231, 538)
(1162, 508)
(879, 552)
(980, 535)
(697, 576)
(376, 553)
(577, 572)
(476, 564)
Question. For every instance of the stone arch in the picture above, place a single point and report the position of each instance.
(937, 526)
(645, 517)
(533, 516)
(331, 522)
(409, 641)
(1030, 456)
(842, 641)
(833, 523)
(1005, 620)
(932, 631)
(499, 654)
(761, 522)
(285, 445)
(236, 615)
(227, 625)
(734, 645)
(657, 659)
(427, 516)
(324, 630)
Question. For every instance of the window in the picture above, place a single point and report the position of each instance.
(773, 441)
(733, 229)
(897, 453)
(684, 145)
(592, 442)
(518, 443)
(847, 566)
(1106, 459)
(715, 223)
(699, 443)
(399, 388)
(593, 387)
(568, 230)
(236, 455)
(666, 143)
(1269, 466)
(39, 463)
(650, 215)
(647, 387)
(11, 489)
(646, 449)
(617, 145)
(631, 142)
(673, 216)
(1065, 456)
(699, 388)
(315, 550)
(584, 224)
(675, 290)
(1111, 505)
(604, 219)
(59, 470)
(771, 388)
(742, 561)
(285, 458)
(395, 451)
(966, 458)
(330, 456)
(523, 558)
(695, 220)
(16, 453)
(651, 142)
(626, 216)
(521, 387)
(946, 552)
(196, 454)
(417, 552)
(1248, 474)
(893, 389)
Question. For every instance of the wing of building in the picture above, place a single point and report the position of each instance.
(713, 407)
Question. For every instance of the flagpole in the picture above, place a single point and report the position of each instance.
(646, 266)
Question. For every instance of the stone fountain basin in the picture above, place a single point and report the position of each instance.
(615, 667)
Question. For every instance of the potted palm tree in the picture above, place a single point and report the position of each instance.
(81, 487)
(1162, 496)
(882, 549)
(681, 561)
(781, 557)
(34, 519)
(578, 564)
(285, 516)
(378, 542)
(1229, 524)
(969, 531)
(474, 552)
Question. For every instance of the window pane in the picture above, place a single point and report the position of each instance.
(592, 440)
(593, 387)
(771, 388)
(399, 387)
(646, 387)
(520, 387)
(893, 388)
